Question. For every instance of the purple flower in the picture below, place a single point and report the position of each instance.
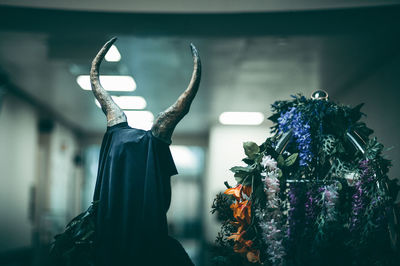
(292, 120)
(311, 208)
(330, 197)
(296, 211)
(358, 206)
(367, 200)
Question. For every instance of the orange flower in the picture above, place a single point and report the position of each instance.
(242, 211)
(241, 228)
(242, 246)
(237, 224)
(239, 248)
(248, 243)
(238, 237)
(237, 191)
(247, 190)
(253, 256)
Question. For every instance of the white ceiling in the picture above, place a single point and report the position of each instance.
(195, 6)
(239, 74)
(248, 62)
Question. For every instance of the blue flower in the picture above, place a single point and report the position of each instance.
(292, 120)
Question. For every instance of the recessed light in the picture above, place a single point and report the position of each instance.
(140, 119)
(128, 102)
(109, 82)
(113, 54)
(241, 118)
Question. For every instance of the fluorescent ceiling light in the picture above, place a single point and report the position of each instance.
(241, 118)
(140, 119)
(113, 54)
(128, 102)
(109, 82)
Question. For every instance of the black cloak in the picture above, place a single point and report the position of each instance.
(134, 193)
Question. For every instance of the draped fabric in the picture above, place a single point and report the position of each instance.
(134, 193)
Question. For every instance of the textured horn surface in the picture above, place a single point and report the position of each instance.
(112, 111)
(166, 121)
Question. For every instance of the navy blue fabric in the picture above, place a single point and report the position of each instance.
(134, 193)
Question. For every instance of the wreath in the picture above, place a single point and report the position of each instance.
(315, 193)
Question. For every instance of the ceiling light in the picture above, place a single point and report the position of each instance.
(113, 54)
(241, 118)
(140, 119)
(109, 82)
(128, 102)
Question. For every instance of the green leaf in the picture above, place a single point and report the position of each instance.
(241, 174)
(340, 148)
(280, 174)
(248, 161)
(246, 181)
(246, 169)
(243, 179)
(259, 194)
(251, 149)
(280, 161)
(259, 191)
(291, 159)
(239, 179)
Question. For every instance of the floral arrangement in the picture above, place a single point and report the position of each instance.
(315, 193)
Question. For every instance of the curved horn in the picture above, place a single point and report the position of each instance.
(112, 111)
(166, 121)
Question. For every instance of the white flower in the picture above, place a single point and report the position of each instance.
(273, 174)
(351, 178)
(330, 196)
(269, 162)
(270, 217)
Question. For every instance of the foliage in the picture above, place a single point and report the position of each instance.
(320, 194)
(75, 246)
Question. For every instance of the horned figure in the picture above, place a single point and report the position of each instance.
(127, 224)
(167, 120)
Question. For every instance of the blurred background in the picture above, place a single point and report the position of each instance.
(253, 53)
